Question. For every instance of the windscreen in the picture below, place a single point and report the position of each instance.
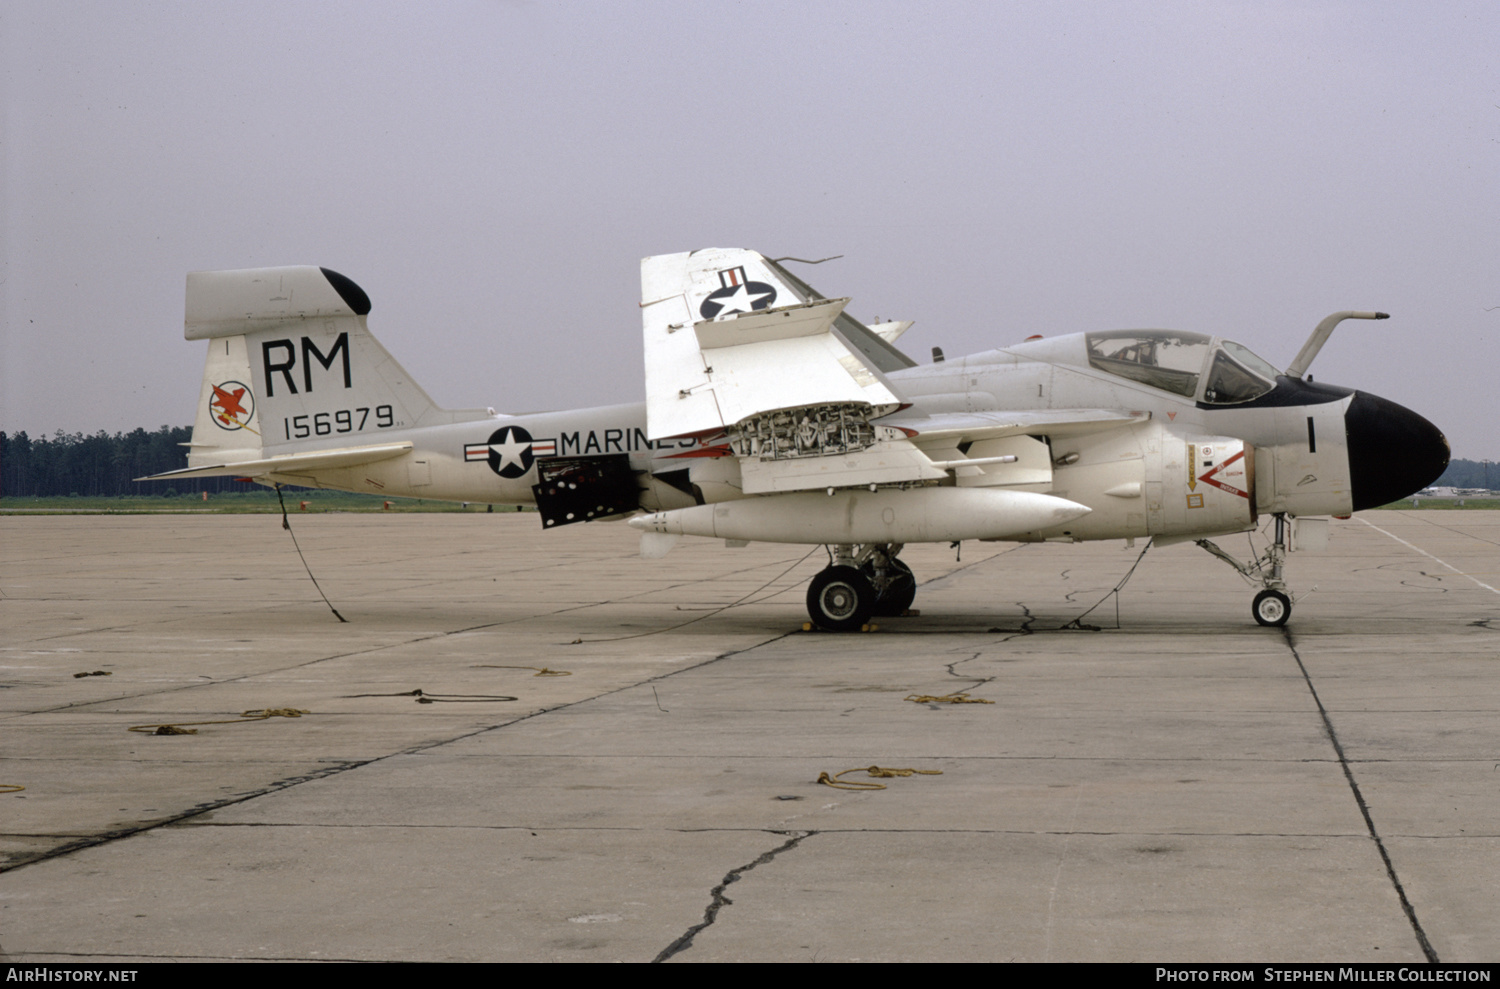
(1237, 376)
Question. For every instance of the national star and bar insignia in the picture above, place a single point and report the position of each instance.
(510, 451)
(736, 293)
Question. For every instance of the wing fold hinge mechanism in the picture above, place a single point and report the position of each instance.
(828, 445)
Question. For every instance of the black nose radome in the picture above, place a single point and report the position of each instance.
(1393, 452)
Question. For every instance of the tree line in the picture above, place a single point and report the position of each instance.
(1470, 474)
(99, 465)
(102, 465)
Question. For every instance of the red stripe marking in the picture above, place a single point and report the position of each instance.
(1208, 478)
(707, 451)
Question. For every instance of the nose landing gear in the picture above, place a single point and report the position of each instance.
(1273, 605)
(862, 582)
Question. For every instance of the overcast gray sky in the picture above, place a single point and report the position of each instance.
(492, 172)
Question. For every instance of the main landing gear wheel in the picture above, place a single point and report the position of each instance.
(1272, 608)
(840, 599)
(899, 592)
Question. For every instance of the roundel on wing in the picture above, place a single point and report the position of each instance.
(510, 452)
(737, 295)
(231, 405)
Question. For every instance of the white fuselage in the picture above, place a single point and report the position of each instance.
(1138, 479)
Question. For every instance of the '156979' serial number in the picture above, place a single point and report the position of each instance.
(342, 421)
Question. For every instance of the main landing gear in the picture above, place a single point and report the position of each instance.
(1273, 605)
(863, 582)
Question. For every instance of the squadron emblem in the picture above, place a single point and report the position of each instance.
(231, 406)
(736, 294)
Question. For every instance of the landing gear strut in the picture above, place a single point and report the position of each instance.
(1273, 605)
(896, 588)
(863, 582)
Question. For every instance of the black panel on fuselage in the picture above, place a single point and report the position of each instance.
(1290, 391)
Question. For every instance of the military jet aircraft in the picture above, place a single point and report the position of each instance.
(773, 415)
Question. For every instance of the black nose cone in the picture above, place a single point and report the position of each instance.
(1393, 452)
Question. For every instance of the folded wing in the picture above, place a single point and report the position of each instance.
(736, 345)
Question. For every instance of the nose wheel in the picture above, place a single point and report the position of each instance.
(1273, 605)
(1271, 608)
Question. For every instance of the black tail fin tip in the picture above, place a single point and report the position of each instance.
(352, 294)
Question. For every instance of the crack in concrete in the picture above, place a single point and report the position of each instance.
(718, 900)
(578, 829)
(1422, 587)
(1364, 808)
(975, 681)
(1411, 546)
(114, 834)
(20, 860)
(1062, 858)
(362, 651)
(1027, 620)
(1071, 595)
(1450, 528)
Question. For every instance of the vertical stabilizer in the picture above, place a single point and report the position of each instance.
(292, 366)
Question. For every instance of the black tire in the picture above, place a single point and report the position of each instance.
(1271, 608)
(899, 593)
(840, 599)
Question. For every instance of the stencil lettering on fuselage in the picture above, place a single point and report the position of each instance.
(511, 450)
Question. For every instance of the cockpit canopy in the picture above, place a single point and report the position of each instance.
(1208, 369)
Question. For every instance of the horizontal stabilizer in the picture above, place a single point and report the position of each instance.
(228, 303)
(293, 463)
